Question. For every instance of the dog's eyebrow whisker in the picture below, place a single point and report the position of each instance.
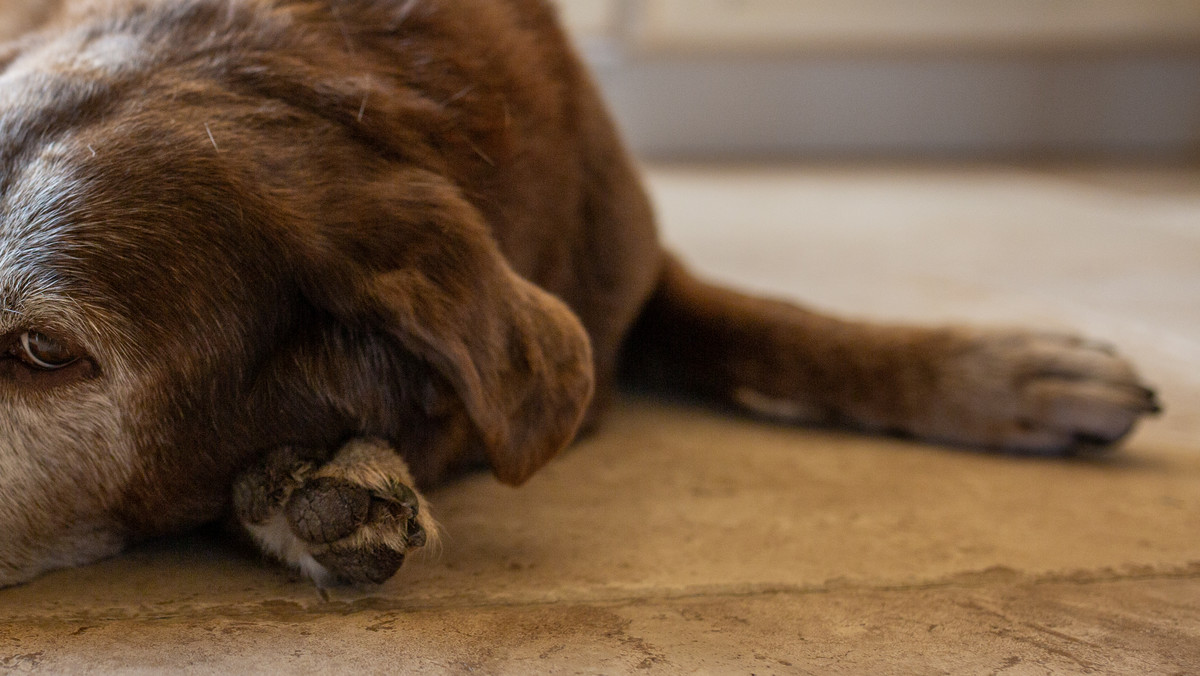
(337, 16)
(210, 137)
(92, 150)
(479, 151)
(363, 108)
(405, 10)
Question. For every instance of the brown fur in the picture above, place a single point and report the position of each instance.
(300, 222)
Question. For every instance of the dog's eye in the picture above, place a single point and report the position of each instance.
(43, 352)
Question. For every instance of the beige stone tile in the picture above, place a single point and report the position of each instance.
(994, 622)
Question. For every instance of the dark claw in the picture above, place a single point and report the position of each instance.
(400, 504)
(326, 510)
(1153, 406)
(415, 535)
(403, 495)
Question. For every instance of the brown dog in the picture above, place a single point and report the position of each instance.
(299, 256)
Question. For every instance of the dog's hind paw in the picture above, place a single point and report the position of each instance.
(352, 518)
(1038, 393)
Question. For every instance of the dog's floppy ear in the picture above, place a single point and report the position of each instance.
(411, 260)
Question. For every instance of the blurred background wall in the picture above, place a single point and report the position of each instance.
(899, 78)
(780, 79)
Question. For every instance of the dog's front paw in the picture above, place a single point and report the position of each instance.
(1035, 393)
(352, 518)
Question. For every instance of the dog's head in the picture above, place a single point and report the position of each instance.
(202, 258)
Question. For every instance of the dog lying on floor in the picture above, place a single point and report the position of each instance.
(293, 259)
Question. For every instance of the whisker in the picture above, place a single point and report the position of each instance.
(337, 16)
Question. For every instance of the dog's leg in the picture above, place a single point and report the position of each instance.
(352, 518)
(1017, 390)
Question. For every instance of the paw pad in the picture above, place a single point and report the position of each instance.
(374, 564)
(326, 510)
(352, 518)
